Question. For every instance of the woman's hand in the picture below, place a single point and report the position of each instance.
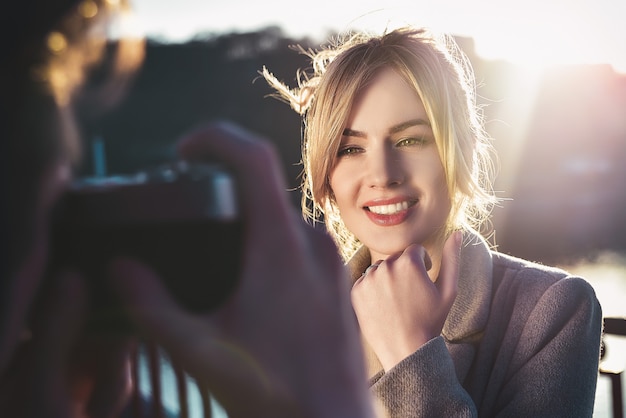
(286, 343)
(399, 308)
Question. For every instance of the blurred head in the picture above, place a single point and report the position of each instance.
(441, 77)
(53, 44)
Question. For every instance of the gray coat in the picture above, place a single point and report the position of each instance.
(521, 340)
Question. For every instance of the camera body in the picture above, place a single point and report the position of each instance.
(180, 219)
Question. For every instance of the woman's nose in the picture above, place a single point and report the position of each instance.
(384, 169)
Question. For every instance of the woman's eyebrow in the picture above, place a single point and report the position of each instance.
(408, 124)
(352, 132)
(393, 130)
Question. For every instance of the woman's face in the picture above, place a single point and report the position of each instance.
(388, 181)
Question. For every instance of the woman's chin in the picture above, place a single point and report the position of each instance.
(382, 252)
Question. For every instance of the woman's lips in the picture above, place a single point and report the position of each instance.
(390, 212)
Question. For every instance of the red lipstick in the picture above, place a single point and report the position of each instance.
(389, 212)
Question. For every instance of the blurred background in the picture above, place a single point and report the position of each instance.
(552, 80)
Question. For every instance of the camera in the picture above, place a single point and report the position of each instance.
(181, 219)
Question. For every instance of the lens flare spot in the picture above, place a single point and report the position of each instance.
(88, 9)
(56, 42)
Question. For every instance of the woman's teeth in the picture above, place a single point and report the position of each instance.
(389, 209)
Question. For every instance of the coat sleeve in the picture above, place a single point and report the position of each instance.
(553, 369)
(423, 385)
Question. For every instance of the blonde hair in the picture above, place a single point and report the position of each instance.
(442, 77)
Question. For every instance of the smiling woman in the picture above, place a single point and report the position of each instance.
(397, 164)
(388, 182)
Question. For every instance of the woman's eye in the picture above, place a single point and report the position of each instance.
(407, 142)
(347, 151)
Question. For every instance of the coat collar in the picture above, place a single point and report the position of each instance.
(469, 313)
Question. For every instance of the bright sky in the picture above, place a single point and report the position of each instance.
(522, 31)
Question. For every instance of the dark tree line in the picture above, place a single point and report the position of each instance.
(183, 85)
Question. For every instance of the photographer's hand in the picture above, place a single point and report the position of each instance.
(286, 343)
(48, 366)
(59, 372)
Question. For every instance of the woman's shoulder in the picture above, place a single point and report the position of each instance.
(530, 276)
(515, 265)
(544, 296)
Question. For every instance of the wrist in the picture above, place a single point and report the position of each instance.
(394, 354)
